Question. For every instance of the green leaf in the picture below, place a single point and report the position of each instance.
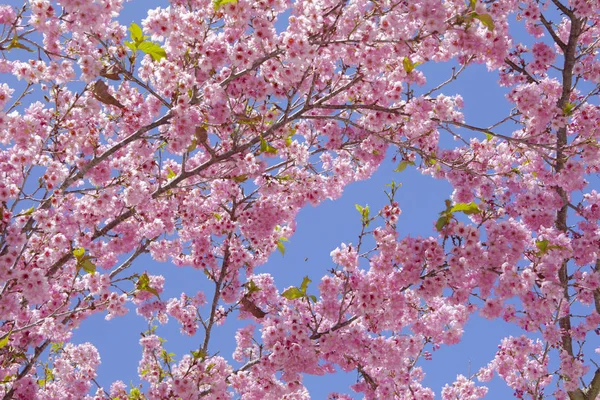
(153, 50)
(402, 166)
(56, 347)
(209, 367)
(408, 65)
(136, 33)
(488, 136)
(313, 298)
(171, 174)
(192, 146)
(568, 109)
(288, 140)
(198, 354)
(467, 208)
(364, 212)
(431, 161)
(79, 252)
(240, 178)
(87, 265)
(135, 394)
(292, 293)
(394, 185)
(220, 3)
(29, 211)
(486, 20)
(132, 46)
(14, 44)
(266, 147)
(251, 286)
(304, 284)
(281, 246)
(4, 340)
(472, 4)
(542, 245)
(442, 222)
(143, 284)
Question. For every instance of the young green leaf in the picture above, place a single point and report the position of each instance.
(29, 211)
(240, 178)
(304, 284)
(292, 293)
(408, 65)
(467, 208)
(364, 213)
(153, 50)
(251, 286)
(220, 3)
(281, 247)
(132, 46)
(442, 222)
(78, 252)
(192, 146)
(266, 147)
(4, 340)
(143, 284)
(568, 109)
(198, 354)
(401, 167)
(542, 245)
(170, 173)
(486, 20)
(87, 265)
(209, 367)
(14, 44)
(135, 33)
(135, 394)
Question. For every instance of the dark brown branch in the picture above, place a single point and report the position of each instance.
(552, 33)
(521, 70)
(336, 327)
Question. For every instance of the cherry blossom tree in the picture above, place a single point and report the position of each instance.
(198, 134)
